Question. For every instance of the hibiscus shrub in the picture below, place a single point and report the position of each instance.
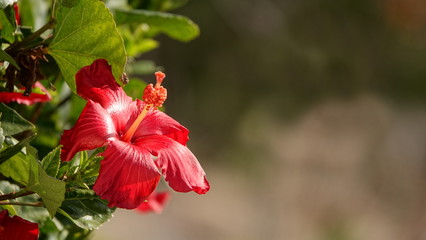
(78, 137)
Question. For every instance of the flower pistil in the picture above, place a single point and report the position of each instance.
(154, 97)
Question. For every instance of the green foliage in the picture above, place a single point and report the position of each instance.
(142, 67)
(34, 13)
(26, 10)
(135, 42)
(72, 51)
(6, 57)
(175, 26)
(90, 167)
(7, 24)
(25, 169)
(85, 209)
(11, 152)
(52, 161)
(12, 122)
(51, 190)
(7, 187)
(16, 167)
(34, 214)
(55, 194)
(68, 3)
(135, 88)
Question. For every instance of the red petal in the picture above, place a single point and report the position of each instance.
(93, 129)
(124, 117)
(18, 97)
(180, 167)
(96, 82)
(155, 202)
(159, 123)
(17, 18)
(16, 228)
(127, 175)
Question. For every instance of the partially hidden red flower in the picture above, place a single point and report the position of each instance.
(16, 228)
(19, 97)
(142, 143)
(155, 202)
(17, 18)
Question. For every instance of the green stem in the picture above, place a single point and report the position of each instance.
(32, 37)
(36, 34)
(53, 12)
(36, 204)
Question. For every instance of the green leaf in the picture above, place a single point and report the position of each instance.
(69, 168)
(135, 42)
(12, 122)
(16, 168)
(5, 3)
(84, 33)
(33, 214)
(85, 209)
(13, 151)
(6, 57)
(52, 161)
(51, 190)
(175, 26)
(142, 46)
(7, 24)
(91, 173)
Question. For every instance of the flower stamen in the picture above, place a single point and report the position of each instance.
(153, 97)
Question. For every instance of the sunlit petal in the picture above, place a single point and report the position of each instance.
(180, 167)
(127, 175)
(93, 128)
(159, 123)
(96, 82)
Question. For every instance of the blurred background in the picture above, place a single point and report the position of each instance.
(308, 116)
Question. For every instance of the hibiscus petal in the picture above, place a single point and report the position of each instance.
(92, 130)
(18, 97)
(96, 82)
(159, 123)
(180, 167)
(16, 228)
(155, 202)
(127, 175)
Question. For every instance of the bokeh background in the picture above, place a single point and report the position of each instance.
(308, 116)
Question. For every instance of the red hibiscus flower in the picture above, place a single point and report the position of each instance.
(16, 228)
(20, 98)
(155, 202)
(139, 140)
